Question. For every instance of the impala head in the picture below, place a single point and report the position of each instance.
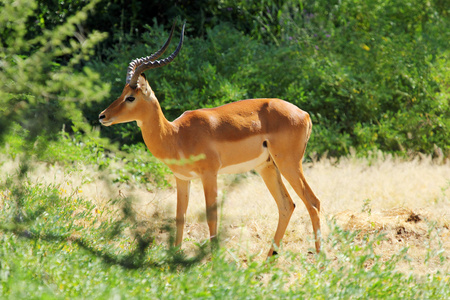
(137, 91)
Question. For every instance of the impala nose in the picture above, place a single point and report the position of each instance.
(101, 117)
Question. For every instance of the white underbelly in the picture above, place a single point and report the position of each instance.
(229, 168)
(189, 176)
(247, 165)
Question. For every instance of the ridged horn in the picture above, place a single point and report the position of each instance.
(139, 65)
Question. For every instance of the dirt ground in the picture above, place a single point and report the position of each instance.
(408, 201)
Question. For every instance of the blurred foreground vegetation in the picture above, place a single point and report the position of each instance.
(374, 75)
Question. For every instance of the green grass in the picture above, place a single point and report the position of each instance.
(58, 246)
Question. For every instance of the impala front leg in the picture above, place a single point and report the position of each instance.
(210, 188)
(183, 187)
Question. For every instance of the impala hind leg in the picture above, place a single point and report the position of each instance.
(183, 187)
(271, 176)
(294, 175)
(291, 168)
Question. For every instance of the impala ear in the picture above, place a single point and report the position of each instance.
(143, 84)
(141, 80)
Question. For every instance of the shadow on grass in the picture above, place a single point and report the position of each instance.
(29, 213)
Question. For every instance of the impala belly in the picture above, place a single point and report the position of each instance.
(242, 156)
(183, 173)
(234, 157)
(189, 176)
(247, 165)
(232, 168)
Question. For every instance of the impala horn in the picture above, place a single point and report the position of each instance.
(139, 65)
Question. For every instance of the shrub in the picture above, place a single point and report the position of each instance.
(38, 86)
(364, 87)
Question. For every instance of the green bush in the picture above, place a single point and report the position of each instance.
(366, 84)
(43, 89)
(38, 86)
(373, 75)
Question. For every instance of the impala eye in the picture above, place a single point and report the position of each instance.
(129, 99)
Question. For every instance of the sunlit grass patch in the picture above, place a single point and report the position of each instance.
(63, 235)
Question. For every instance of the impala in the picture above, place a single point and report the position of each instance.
(267, 135)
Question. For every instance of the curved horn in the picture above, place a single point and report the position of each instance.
(136, 62)
(140, 65)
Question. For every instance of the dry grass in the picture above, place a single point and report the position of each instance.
(408, 201)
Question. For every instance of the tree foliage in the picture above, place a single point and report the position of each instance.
(39, 87)
(373, 75)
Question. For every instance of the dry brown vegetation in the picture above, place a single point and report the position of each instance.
(407, 201)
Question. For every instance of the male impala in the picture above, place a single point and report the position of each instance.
(268, 135)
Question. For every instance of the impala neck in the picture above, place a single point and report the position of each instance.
(156, 129)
